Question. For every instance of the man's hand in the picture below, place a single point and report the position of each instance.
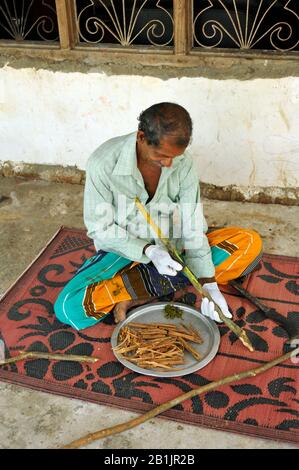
(208, 307)
(162, 260)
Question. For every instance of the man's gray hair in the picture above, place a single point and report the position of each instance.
(163, 120)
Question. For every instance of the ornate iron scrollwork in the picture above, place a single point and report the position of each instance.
(246, 24)
(34, 20)
(126, 22)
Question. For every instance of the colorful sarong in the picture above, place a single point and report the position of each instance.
(106, 278)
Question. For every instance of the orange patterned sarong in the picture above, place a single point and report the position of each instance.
(235, 252)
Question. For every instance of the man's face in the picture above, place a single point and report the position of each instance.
(161, 156)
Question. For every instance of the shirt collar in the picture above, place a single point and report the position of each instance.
(127, 161)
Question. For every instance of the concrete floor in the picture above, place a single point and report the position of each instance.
(31, 419)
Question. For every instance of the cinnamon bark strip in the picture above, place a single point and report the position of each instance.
(193, 351)
(183, 335)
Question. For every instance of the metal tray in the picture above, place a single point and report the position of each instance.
(154, 313)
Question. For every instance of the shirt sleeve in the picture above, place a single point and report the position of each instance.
(100, 222)
(198, 254)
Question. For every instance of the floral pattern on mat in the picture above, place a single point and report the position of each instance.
(264, 406)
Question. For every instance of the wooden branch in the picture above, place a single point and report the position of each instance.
(171, 403)
(41, 355)
(192, 278)
(66, 17)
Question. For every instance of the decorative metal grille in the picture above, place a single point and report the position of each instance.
(33, 20)
(126, 22)
(246, 24)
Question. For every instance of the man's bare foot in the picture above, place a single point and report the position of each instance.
(120, 309)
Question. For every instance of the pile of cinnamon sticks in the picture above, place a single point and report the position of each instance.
(157, 345)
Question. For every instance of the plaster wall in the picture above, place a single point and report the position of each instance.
(245, 132)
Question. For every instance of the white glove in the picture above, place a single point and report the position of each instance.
(207, 306)
(162, 260)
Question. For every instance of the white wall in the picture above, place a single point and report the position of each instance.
(245, 132)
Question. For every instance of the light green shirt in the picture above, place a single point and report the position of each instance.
(113, 221)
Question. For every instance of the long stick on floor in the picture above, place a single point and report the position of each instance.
(171, 403)
(241, 334)
(41, 355)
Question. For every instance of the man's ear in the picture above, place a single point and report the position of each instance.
(140, 136)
